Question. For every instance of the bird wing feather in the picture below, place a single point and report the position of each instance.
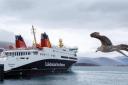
(105, 41)
(122, 53)
(123, 47)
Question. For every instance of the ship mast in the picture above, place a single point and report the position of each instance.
(34, 34)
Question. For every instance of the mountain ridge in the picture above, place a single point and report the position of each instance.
(102, 61)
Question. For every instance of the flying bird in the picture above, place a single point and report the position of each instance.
(107, 46)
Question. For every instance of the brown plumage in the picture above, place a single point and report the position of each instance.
(107, 45)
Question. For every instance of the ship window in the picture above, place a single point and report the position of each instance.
(25, 53)
(16, 54)
(6, 53)
(22, 58)
(64, 57)
(19, 54)
(29, 53)
(35, 52)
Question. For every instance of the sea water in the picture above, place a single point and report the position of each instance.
(85, 75)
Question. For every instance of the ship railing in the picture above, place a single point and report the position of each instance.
(29, 48)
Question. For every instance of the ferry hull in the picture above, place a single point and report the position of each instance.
(41, 67)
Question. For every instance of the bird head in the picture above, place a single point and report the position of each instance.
(94, 34)
(98, 49)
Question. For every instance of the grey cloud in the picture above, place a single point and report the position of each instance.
(70, 13)
(6, 36)
(109, 6)
(18, 5)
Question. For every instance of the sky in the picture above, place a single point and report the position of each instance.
(70, 20)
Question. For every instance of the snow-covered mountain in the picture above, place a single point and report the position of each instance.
(103, 61)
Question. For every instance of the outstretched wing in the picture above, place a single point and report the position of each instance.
(104, 40)
(122, 47)
(122, 53)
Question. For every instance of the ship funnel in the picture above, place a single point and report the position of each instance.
(45, 42)
(20, 42)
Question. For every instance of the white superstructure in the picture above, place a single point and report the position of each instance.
(20, 57)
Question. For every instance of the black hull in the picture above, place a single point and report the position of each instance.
(40, 68)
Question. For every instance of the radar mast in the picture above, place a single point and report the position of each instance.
(34, 34)
(61, 43)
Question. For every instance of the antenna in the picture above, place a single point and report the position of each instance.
(34, 34)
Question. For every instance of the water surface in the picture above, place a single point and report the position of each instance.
(97, 75)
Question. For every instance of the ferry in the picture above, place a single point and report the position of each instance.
(42, 58)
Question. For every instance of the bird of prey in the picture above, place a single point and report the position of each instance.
(107, 45)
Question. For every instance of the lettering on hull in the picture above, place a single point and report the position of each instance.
(54, 64)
